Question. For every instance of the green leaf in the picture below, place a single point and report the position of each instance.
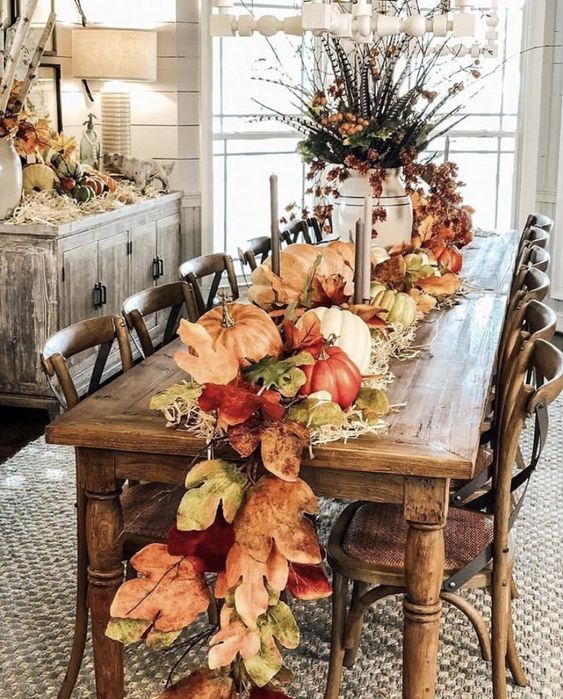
(127, 631)
(282, 624)
(184, 392)
(316, 413)
(283, 375)
(372, 403)
(158, 640)
(279, 623)
(307, 295)
(210, 483)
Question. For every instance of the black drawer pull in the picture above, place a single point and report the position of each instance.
(155, 268)
(160, 267)
(97, 295)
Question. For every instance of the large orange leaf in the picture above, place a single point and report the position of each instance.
(209, 546)
(204, 363)
(307, 337)
(330, 291)
(234, 638)
(170, 594)
(445, 285)
(273, 512)
(248, 578)
(202, 684)
(236, 403)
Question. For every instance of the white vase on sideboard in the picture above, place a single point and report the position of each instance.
(396, 228)
(10, 178)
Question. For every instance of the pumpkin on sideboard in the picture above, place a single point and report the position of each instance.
(39, 178)
(245, 330)
(348, 331)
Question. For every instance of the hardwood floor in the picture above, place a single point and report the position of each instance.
(18, 427)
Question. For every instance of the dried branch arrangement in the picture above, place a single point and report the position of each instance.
(15, 60)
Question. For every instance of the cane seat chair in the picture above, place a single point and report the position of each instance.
(254, 252)
(176, 298)
(368, 541)
(149, 509)
(215, 266)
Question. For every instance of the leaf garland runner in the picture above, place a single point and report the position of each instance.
(244, 536)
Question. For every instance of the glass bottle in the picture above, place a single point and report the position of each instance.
(90, 144)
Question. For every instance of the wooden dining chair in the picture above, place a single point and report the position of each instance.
(149, 509)
(314, 225)
(255, 251)
(215, 266)
(294, 230)
(100, 333)
(536, 257)
(531, 236)
(368, 541)
(176, 298)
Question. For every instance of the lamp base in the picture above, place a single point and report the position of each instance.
(116, 123)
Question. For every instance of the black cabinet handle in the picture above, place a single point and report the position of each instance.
(104, 294)
(160, 267)
(97, 295)
(155, 268)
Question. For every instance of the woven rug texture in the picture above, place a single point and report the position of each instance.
(37, 540)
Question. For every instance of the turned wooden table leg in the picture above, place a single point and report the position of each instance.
(105, 573)
(425, 507)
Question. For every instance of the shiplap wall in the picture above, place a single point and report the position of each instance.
(165, 115)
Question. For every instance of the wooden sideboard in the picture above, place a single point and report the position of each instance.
(53, 276)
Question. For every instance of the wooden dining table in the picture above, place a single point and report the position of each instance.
(431, 439)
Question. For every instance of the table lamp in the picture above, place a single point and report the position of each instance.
(101, 53)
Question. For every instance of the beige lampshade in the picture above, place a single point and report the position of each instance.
(99, 53)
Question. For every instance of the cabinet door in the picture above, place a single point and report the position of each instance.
(80, 267)
(28, 312)
(114, 270)
(143, 254)
(168, 247)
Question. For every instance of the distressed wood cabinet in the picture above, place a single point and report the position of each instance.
(53, 276)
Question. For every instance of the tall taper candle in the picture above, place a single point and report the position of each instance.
(366, 253)
(275, 226)
(358, 267)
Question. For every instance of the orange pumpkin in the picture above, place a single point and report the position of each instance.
(296, 262)
(246, 331)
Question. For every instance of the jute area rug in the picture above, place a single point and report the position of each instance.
(37, 597)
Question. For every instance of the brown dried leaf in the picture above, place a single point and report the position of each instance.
(273, 513)
(446, 285)
(391, 272)
(329, 291)
(202, 684)
(282, 448)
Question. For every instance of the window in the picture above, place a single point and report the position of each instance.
(246, 152)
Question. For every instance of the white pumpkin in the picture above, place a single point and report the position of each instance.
(351, 332)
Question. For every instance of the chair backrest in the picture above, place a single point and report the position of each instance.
(539, 221)
(536, 257)
(529, 285)
(176, 298)
(214, 265)
(543, 359)
(98, 332)
(538, 322)
(315, 226)
(255, 251)
(293, 230)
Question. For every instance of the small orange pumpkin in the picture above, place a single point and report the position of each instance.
(243, 329)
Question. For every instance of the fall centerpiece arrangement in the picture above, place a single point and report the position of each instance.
(266, 382)
(368, 112)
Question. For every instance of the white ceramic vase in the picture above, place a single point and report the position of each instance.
(10, 178)
(396, 228)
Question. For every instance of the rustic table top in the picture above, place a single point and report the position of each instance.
(445, 390)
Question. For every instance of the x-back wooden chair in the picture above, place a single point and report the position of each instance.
(215, 265)
(539, 221)
(149, 509)
(177, 298)
(368, 541)
(254, 252)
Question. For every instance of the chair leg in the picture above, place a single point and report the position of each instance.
(475, 618)
(339, 605)
(81, 620)
(500, 619)
(512, 659)
(354, 635)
